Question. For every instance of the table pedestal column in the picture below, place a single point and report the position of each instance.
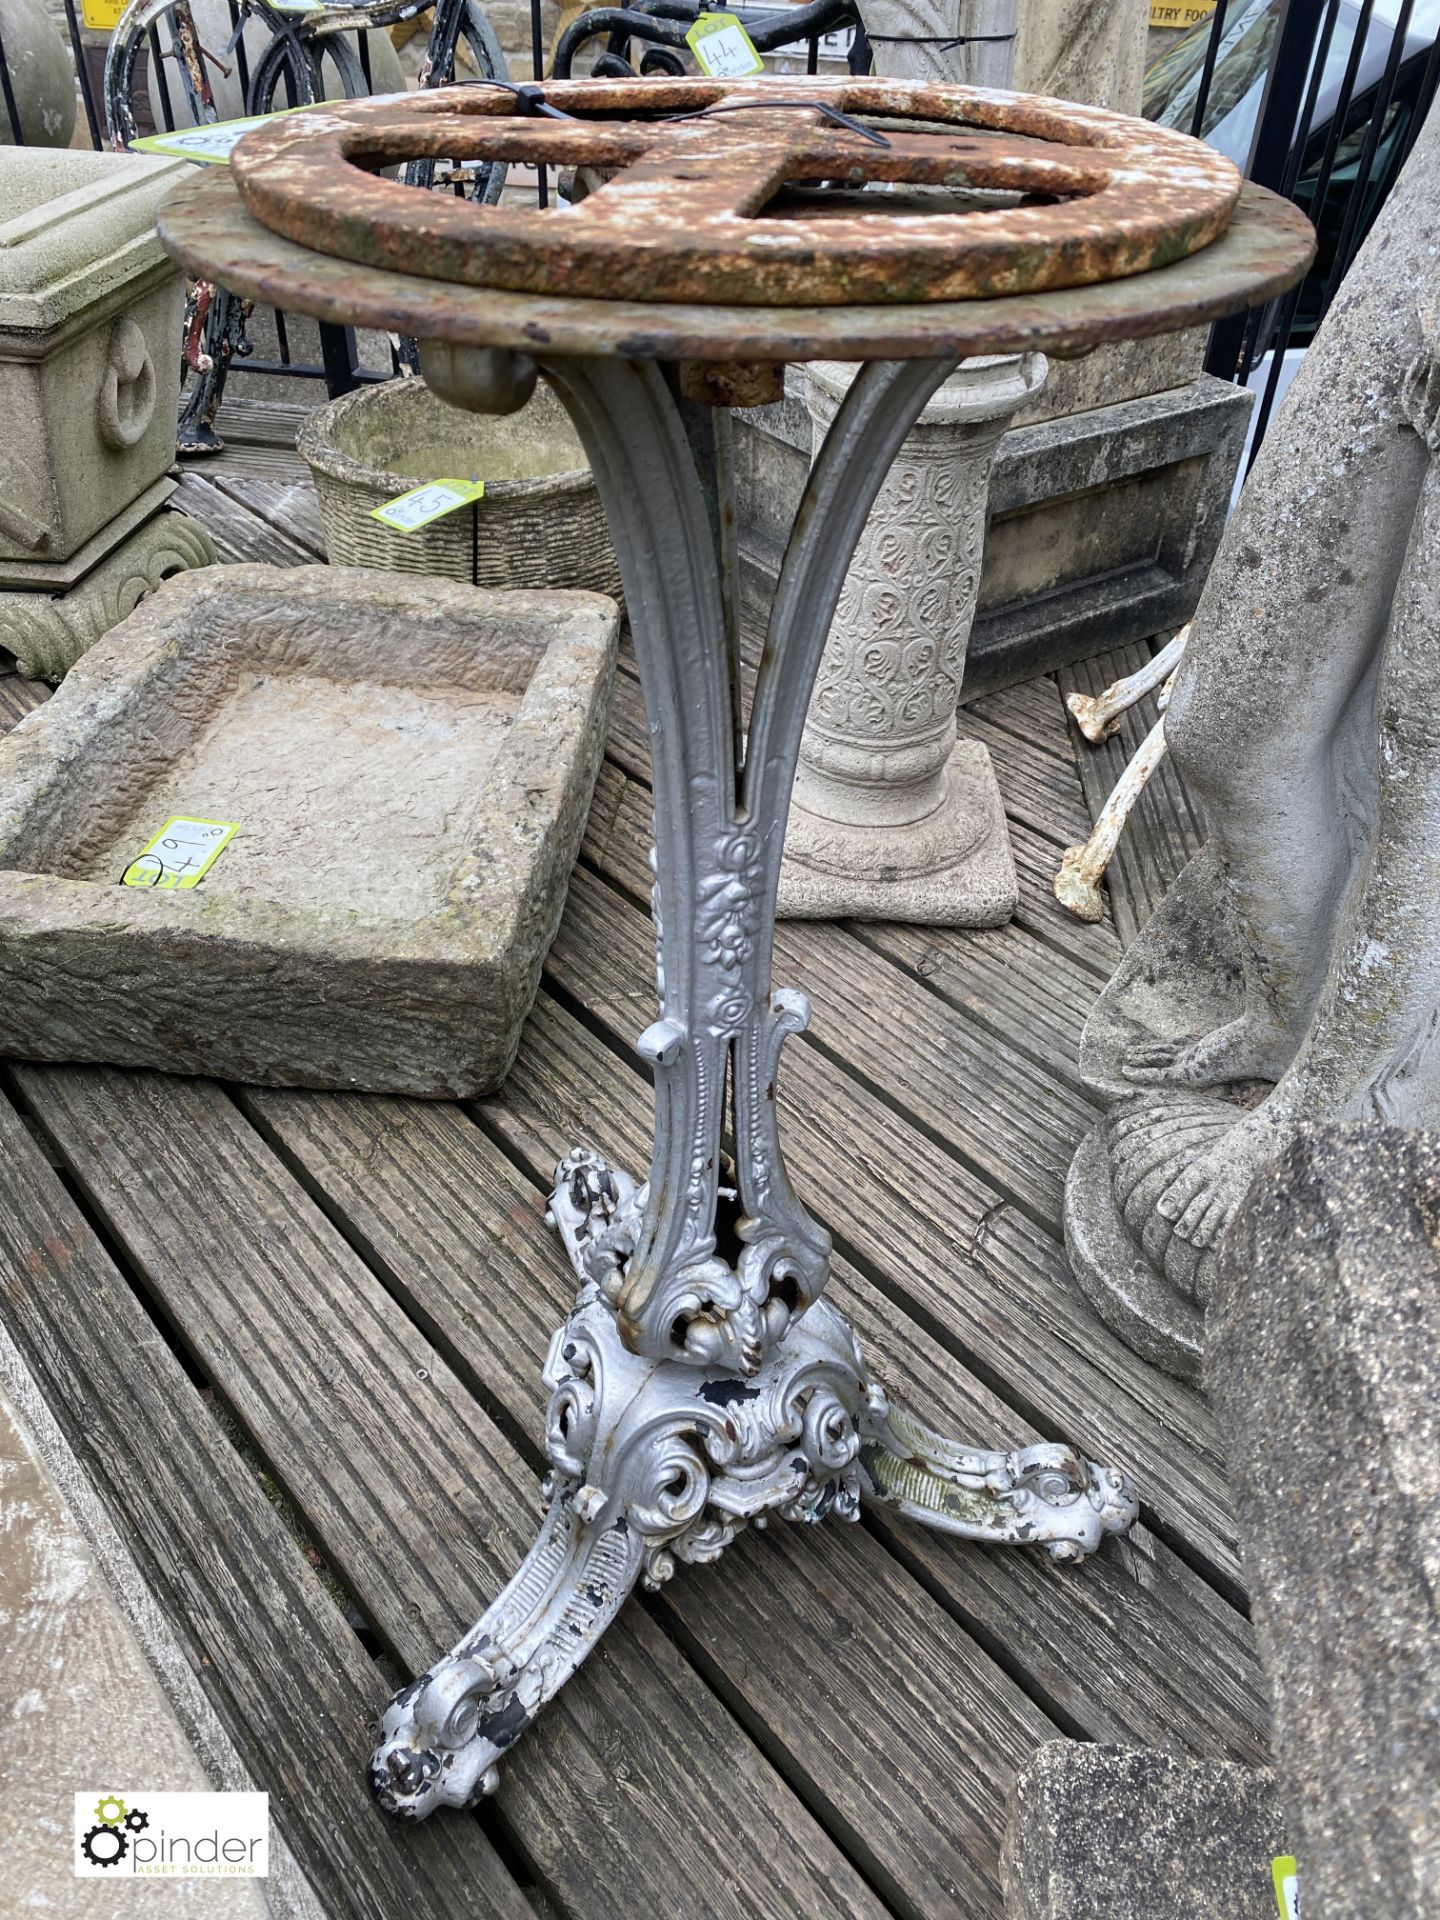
(701, 1383)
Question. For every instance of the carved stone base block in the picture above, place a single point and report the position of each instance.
(48, 634)
(1132, 1299)
(890, 819)
(953, 870)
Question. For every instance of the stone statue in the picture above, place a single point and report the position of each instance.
(969, 40)
(1293, 971)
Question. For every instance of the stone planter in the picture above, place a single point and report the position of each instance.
(410, 764)
(894, 817)
(538, 525)
(89, 373)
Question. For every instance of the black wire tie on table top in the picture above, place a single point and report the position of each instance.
(944, 41)
(763, 106)
(530, 99)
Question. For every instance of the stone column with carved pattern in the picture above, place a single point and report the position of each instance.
(895, 817)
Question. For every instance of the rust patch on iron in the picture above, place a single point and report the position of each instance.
(732, 383)
(1264, 250)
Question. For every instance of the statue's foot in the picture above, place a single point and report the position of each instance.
(1250, 1048)
(1181, 1169)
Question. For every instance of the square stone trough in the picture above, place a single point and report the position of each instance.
(410, 764)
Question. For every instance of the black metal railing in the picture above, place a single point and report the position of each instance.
(1321, 101)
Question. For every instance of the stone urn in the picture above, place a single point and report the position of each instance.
(894, 817)
(89, 378)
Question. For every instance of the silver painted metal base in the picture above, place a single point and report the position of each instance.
(701, 1382)
(654, 1462)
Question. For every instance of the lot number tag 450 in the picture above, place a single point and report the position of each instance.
(421, 505)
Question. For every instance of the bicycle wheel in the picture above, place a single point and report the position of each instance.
(457, 23)
(291, 72)
(139, 31)
(339, 65)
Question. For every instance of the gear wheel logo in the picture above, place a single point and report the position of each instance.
(105, 1846)
(110, 1810)
(137, 1821)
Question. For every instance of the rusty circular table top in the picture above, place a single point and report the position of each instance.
(699, 200)
(711, 236)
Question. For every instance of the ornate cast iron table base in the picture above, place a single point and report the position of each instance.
(655, 1462)
(701, 1384)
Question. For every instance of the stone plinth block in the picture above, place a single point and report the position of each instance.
(89, 348)
(1324, 1361)
(954, 869)
(410, 765)
(1107, 1833)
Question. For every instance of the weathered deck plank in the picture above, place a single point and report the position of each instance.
(19, 696)
(240, 537)
(1036, 789)
(269, 1645)
(421, 1504)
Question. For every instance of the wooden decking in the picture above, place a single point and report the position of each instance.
(297, 1340)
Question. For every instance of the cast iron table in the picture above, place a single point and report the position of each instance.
(701, 1382)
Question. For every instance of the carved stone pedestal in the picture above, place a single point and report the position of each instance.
(893, 817)
(46, 628)
(89, 318)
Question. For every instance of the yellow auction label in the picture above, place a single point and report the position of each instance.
(1285, 1875)
(421, 505)
(102, 15)
(722, 47)
(181, 854)
(1180, 13)
(214, 143)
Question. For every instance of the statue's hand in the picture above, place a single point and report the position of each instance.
(1249, 1048)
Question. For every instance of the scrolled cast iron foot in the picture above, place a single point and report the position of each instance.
(1043, 1496)
(655, 1462)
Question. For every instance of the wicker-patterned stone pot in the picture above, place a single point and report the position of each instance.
(539, 523)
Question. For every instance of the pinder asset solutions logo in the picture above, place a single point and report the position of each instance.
(172, 1835)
